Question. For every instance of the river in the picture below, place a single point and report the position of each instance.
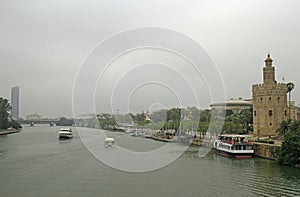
(35, 163)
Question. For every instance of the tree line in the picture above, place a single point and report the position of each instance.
(6, 121)
(179, 119)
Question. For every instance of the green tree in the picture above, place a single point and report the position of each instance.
(228, 112)
(290, 149)
(140, 119)
(202, 128)
(246, 119)
(107, 121)
(205, 116)
(173, 119)
(15, 124)
(65, 122)
(4, 113)
(283, 127)
(290, 87)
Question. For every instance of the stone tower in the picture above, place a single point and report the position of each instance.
(269, 101)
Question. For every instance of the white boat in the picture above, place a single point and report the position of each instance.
(234, 145)
(65, 133)
(109, 142)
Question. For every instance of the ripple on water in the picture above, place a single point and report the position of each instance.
(253, 176)
(35, 163)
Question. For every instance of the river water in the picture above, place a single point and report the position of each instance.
(35, 163)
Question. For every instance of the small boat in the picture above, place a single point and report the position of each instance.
(109, 142)
(65, 133)
(137, 134)
(234, 145)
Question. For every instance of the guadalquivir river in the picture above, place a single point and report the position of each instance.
(35, 163)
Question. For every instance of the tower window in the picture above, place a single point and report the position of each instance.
(261, 98)
(270, 98)
(270, 113)
(278, 98)
(255, 113)
(270, 124)
(285, 112)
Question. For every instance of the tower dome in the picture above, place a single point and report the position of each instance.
(268, 59)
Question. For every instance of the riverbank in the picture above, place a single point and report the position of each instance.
(179, 139)
(11, 131)
(263, 150)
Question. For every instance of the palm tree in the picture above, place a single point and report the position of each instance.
(4, 109)
(290, 87)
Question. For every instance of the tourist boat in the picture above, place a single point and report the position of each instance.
(65, 133)
(234, 145)
(109, 142)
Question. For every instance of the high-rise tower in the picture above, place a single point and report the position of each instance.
(269, 101)
(15, 102)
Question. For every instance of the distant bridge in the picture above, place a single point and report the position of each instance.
(51, 122)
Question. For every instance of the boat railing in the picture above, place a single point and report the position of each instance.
(232, 142)
(243, 143)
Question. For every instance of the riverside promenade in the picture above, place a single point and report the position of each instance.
(5, 132)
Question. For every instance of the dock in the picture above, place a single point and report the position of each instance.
(159, 138)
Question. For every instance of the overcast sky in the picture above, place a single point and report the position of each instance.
(43, 44)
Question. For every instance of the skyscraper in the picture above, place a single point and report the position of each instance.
(15, 102)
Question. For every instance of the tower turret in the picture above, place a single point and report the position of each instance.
(269, 71)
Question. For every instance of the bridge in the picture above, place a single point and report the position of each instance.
(32, 122)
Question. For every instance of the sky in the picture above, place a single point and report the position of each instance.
(46, 44)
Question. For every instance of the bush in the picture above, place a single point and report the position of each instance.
(290, 150)
(65, 122)
(15, 124)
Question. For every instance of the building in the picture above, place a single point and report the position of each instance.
(15, 102)
(295, 111)
(86, 116)
(33, 117)
(269, 101)
(236, 105)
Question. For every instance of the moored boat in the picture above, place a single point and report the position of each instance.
(237, 146)
(65, 133)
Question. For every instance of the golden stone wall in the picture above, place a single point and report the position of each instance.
(269, 108)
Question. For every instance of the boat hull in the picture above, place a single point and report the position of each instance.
(65, 133)
(65, 137)
(235, 155)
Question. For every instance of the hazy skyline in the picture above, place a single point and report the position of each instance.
(43, 43)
